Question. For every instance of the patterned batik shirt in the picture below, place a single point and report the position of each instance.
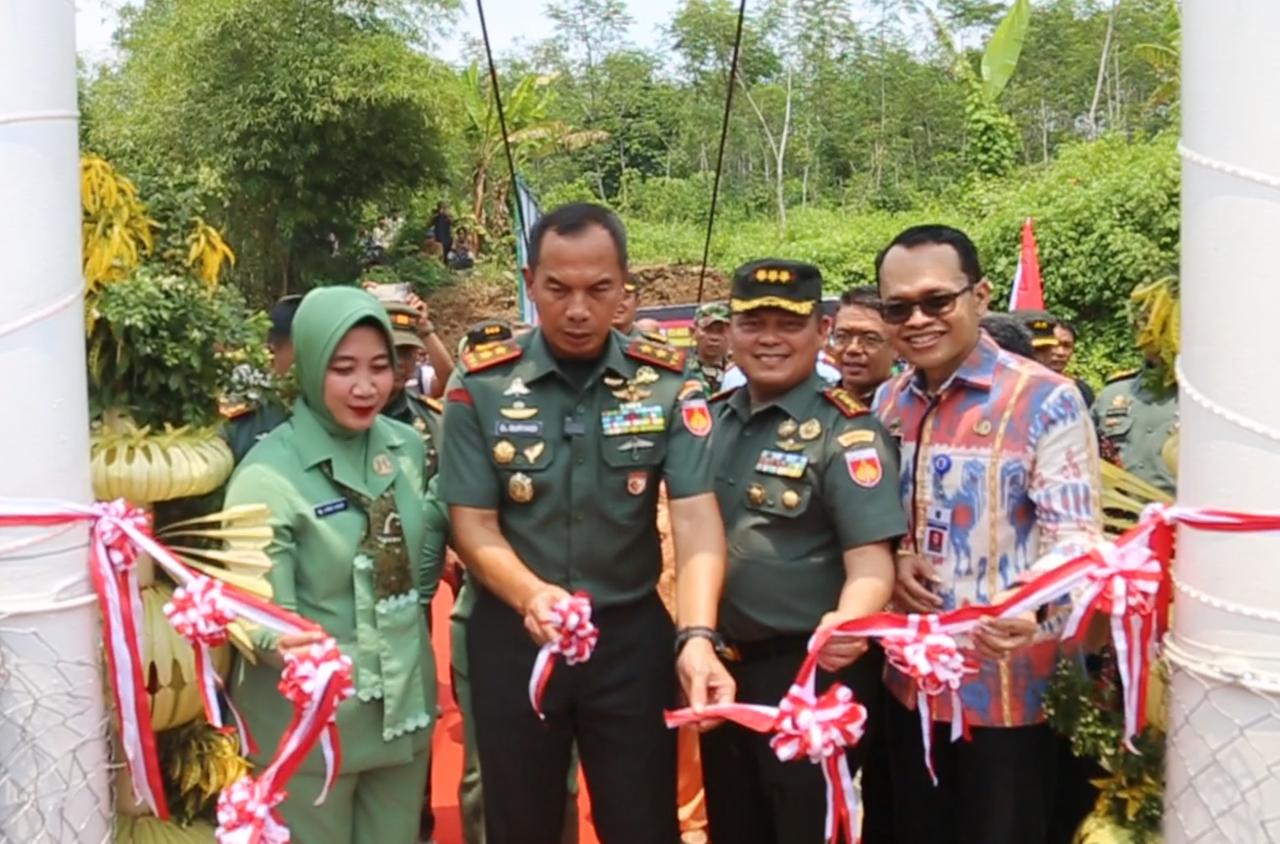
(1000, 481)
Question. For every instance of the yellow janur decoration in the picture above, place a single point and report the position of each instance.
(115, 229)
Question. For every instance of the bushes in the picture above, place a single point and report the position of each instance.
(1106, 220)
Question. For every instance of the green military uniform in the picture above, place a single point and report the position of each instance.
(357, 549)
(247, 424)
(710, 374)
(1135, 417)
(801, 478)
(571, 454)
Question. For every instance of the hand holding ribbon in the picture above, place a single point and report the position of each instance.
(575, 641)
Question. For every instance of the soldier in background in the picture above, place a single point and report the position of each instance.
(406, 405)
(249, 422)
(711, 344)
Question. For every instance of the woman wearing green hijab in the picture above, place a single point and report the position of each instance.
(356, 548)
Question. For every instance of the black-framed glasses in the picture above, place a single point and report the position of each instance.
(898, 311)
(869, 340)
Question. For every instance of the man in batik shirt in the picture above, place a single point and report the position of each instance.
(999, 481)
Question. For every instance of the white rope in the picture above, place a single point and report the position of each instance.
(1239, 420)
(15, 117)
(1177, 654)
(42, 313)
(1255, 176)
(1225, 605)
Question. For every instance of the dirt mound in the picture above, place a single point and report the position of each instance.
(460, 305)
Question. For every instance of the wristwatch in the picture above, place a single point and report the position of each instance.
(686, 634)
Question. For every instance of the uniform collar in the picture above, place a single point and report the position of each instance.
(539, 361)
(795, 402)
(978, 370)
(315, 446)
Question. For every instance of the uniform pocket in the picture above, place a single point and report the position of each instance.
(515, 453)
(1117, 426)
(776, 496)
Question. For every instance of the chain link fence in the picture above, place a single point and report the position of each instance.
(55, 782)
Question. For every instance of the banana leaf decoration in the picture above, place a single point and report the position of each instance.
(1124, 497)
(231, 546)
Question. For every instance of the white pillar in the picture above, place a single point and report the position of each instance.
(54, 784)
(1224, 750)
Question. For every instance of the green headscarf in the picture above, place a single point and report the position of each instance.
(323, 319)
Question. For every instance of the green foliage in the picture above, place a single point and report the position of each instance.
(164, 348)
(424, 274)
(1001, 56)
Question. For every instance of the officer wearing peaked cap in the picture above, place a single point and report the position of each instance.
(806, 479)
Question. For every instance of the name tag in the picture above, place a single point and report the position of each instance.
(531, 428)
(784, 464)
(937, 527)
(331, 507)
(633, 418)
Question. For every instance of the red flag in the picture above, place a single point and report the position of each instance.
(1028, 289)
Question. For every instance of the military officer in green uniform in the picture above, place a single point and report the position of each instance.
(248, 422)
(356, 548)
(424, 415)
(807, 480)
(1135, 414)
(557, 442)
(710, 344)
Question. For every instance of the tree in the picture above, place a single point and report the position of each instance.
(294, 114)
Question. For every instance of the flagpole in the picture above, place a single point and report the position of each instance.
(54, 775)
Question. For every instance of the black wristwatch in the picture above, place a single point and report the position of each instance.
(685, 634)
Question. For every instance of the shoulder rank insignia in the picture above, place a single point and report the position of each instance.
(490, 355)
(658, 354)
(1122, 375)
(845, 401)
(433, 405)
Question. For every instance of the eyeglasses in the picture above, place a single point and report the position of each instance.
(868, 339)
(896, 312)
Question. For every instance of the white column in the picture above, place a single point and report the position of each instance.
(1224, 750)
(54, 784)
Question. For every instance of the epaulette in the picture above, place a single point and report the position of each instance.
(434, 405)
(1122, 375)
(724, 394)
(845, 401)
(234, 411)
(490, 355)
(658, 354)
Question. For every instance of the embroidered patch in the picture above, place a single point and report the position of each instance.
(781, 463)
(689, 388)
(696, 416)
(633, 419)
(529, 428)
(461, 396)
(852, 438)
(864, 466)
(637, 482)
(330, 507)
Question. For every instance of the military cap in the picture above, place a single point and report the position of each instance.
(404, 324)
(710, 312)
(774, 283)
(1041, 325)
(281, 316)
(486, 331)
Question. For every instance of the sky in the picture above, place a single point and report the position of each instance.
(512, 24)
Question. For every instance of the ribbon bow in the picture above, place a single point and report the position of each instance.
(200, 612)
(247, 813)
(576, 641)
(1124, 583)
(109, 528)
(803, 726)
(316, 682)
(933, 660)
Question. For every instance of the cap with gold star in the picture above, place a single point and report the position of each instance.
(1040, 324)
(774, 283)
(487, 331)
(404, 324)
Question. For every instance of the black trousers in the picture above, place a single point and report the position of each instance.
(877, 775)
(995, 788)
(752, 797)
(610, 705)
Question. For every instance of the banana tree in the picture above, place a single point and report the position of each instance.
(530, 131)
(992, 134)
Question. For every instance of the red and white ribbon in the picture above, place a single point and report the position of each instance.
(199, 611)
(119, 532)
(805, 726)
(575, 642)
(317, 683)
(247, 814)
(933, 660)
